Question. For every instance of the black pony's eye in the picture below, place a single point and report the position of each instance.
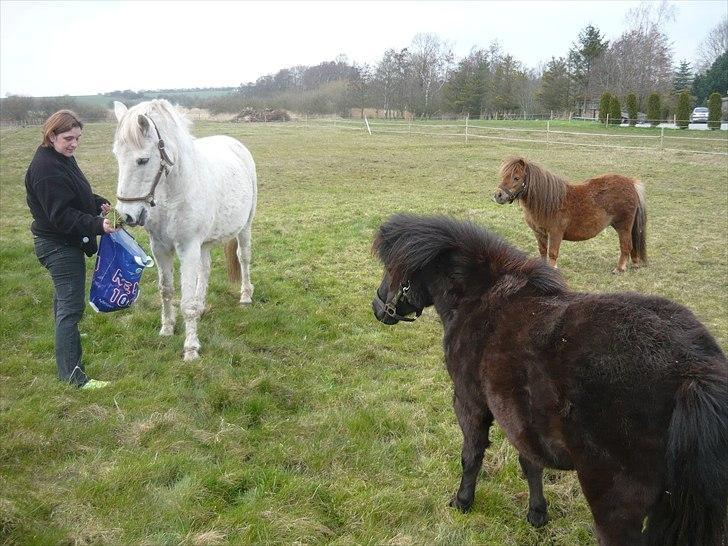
(142, 160)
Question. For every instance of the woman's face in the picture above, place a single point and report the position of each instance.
(66, 143)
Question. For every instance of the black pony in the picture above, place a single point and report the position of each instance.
(631, 391)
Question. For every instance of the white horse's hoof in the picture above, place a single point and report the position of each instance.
(191, 354)
(166, 330)
(246, 300)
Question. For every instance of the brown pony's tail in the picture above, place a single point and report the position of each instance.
(639, 227)
(231, 261)
(691, 507)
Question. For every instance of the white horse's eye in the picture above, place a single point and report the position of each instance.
(142, 160)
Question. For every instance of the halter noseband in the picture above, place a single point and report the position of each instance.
(390, 307)
(164, 166)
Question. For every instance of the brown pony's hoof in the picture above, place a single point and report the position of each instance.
(617, 271)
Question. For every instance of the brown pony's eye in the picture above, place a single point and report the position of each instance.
(516, 178)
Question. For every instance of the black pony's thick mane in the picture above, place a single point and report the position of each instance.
(406, 244)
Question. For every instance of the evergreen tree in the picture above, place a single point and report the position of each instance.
(653, 108)
(615, 111)
(632, 110)
(583, 55)
(714, 111)
(554, 92)
(683, 110)
(464, 90)
(714, 80)
(683, 77)
(604, 105)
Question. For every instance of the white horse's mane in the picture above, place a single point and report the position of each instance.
(173, 126)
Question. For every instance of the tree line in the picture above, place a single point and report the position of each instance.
(426, 79)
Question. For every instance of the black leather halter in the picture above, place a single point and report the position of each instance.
(390, 307)
(164, 166)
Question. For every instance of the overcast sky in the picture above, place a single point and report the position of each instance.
(89, 47)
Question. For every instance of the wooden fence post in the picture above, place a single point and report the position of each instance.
(367, 122)
(548, 130)
(662, 138)
(466, 128)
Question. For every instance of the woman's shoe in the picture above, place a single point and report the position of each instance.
(95, 384)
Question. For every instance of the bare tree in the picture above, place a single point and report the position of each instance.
(640, 60)
(713, 46)
(431, 61)
(385, 79)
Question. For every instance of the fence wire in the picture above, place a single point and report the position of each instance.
(535, 135)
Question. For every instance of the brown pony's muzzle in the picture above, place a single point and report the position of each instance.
(501, 197)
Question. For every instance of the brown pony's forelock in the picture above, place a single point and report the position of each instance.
(406, 244)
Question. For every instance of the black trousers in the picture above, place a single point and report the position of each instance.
(67, 267)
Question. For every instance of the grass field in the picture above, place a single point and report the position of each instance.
(305, 420)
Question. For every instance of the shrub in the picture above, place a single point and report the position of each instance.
(653, 108)
(615, 111)
(604, 105)
(683, 110)
(632, 109)
(714, 111)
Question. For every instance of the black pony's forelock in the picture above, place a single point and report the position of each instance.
(407, 243)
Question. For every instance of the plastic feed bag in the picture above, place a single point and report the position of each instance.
(119, 266)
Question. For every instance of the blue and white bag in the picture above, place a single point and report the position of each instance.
(119, 266)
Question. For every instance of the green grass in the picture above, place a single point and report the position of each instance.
(305, 420)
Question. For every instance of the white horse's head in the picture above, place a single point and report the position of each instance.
(148, 140)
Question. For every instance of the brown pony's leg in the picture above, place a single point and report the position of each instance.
(554, 244)
(475, 421)
(537, 507)
(618, 504)
(542, 240)
(625, 247)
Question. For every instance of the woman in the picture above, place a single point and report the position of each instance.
(65, 225)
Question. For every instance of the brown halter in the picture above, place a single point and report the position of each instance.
(164, 166)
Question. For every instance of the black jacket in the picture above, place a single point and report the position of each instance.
(63, 206)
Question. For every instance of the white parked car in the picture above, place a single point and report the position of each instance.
(699, 115)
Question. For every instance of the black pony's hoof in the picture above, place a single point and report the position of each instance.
(537, 518)
(462, 506)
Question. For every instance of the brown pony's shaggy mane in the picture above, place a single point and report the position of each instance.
(546, 191)
(406, 244)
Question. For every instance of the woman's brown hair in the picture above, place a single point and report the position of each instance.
(60, 122)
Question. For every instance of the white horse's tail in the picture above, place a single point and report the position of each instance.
(235, 274)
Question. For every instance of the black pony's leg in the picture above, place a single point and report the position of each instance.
(475, 421)
(537, 507)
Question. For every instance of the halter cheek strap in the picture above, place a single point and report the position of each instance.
(390, 307)
(164, 166)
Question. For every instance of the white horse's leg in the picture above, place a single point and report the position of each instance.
(189, 257)
(203, 277)
(164, 258)
(246, 288)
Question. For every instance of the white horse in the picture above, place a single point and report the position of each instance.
(188, 194)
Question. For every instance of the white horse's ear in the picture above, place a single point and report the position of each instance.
(143, 123)
(119, 110)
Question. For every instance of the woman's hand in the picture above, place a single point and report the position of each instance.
(109, 227)
(105, 207)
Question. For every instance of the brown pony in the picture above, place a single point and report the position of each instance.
(556, 210)
(629, 390)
